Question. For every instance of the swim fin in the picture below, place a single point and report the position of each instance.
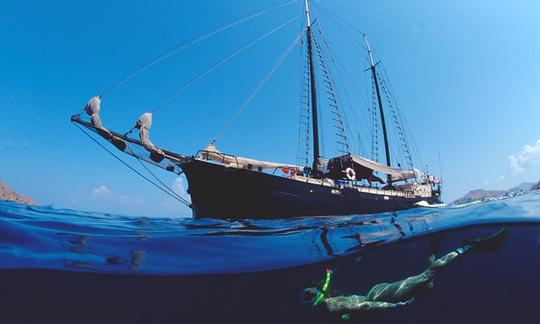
(490, 243)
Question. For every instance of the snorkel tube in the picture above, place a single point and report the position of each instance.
(324, 289)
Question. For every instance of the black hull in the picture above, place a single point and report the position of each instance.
(231, 193)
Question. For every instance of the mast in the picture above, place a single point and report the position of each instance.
(375, 79)
(313, 90)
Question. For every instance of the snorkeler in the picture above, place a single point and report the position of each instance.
(397, 294)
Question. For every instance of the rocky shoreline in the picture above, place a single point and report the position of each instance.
(7, 194)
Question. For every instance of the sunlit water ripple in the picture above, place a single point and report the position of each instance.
(58, 239)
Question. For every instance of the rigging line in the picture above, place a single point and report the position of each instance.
(340, 27)
(350, 104)
(129, 166)
(352, 82)
(361, 147)
(403, 119)
(189, 43)
(365, 80)
(185, 201)
(342, 123)
(393, 97)
(302, 149)
(374, 122)
(440, 166)
(262, 82)
(221, 62)
(338, 17)
(338, 63)
(397, 129)
(161, 182)
(154, 176)
(354, 42)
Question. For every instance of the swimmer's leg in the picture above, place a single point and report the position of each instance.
(359, 303)
(490, 243)
(353, 303)
(445, 260)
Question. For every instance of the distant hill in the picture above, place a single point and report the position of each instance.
(481, 194)
(521, 187)
(478, 194)
(8, 194)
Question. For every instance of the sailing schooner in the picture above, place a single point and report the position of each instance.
(232, 187)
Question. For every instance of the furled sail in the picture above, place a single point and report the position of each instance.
(396, 174)
(213, 154)
(367, 166)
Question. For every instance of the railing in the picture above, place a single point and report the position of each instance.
(224, 156)
(229, 159)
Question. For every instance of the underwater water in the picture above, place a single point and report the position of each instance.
(66, 266)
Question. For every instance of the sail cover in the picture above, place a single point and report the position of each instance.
(364, 167)
(396, 174)
(212, 153)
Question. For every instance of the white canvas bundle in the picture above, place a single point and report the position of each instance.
(96, 121)
(212, 153)
(93, 106)
(145, 121)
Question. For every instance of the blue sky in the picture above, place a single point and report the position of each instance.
(466, 75)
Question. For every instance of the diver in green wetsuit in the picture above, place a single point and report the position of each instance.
(397, 294)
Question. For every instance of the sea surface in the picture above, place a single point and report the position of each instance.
(68, 266)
